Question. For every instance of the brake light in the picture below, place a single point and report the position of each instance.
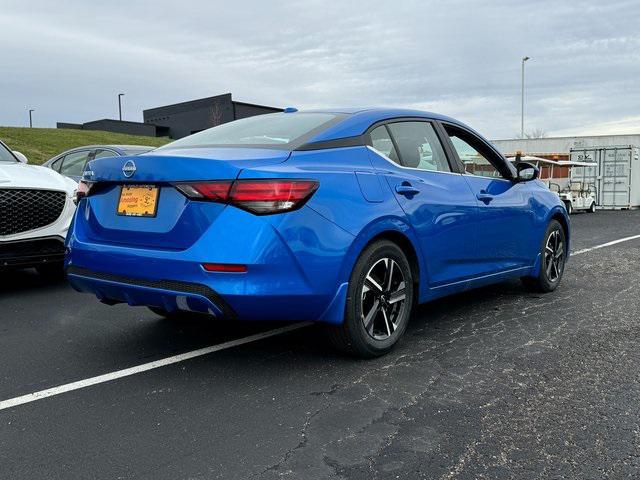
(83, 191)
(212, 191)
(259, 196)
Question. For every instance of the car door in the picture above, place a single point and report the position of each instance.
(434, 196)
(506, 217)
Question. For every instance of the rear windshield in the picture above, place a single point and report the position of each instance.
(273, 130)
(5, 155)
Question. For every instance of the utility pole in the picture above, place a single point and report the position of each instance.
(31, 118)
(120, 95)
(524, 59)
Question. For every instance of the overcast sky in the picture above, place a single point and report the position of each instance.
(70, 59)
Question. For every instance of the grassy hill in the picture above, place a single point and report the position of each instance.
(40, 144)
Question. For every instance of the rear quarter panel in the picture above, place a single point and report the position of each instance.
(351, 196)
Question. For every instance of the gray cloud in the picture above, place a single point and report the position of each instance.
(70, 59)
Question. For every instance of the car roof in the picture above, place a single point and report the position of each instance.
(119, 149)
(357, 120)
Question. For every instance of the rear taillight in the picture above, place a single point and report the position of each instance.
(82, 191)
(259, 196)
(212, 191)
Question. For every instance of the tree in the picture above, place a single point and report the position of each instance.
(216, 116)
(537, 133)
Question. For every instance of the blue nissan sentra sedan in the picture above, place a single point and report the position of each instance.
(346, 217)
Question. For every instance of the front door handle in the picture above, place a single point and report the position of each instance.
(407, 189)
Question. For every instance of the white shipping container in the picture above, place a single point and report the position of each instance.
(616, 177)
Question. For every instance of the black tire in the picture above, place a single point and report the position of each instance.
(53, 271)
(569, 207)
(550, 276)
(391, 312)
(592, 208)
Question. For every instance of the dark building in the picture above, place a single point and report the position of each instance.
(118, 126)
(182, 119)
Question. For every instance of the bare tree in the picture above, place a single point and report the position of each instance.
(537, 133)
(216, 116)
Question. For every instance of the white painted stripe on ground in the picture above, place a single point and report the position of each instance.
(107, 377)
(608, 244)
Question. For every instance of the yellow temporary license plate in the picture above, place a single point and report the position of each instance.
(138, 201)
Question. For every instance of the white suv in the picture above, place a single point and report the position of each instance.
(36, 208)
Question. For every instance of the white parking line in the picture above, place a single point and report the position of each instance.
(107, 377)
(608, 244)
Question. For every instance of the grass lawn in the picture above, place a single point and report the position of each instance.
(40, 144)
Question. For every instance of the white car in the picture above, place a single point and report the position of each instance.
(36, 208)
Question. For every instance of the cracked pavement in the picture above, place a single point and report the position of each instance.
(493, 383)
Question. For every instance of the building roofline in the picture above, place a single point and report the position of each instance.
(205, 100)
(257, 105)
(187, 102)
(567, 136)
(110, 120)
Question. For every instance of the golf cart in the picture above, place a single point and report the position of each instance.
(579, 196)
(580, 193)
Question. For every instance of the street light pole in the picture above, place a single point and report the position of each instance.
(120, 95)
(31, 118)
(524, 59)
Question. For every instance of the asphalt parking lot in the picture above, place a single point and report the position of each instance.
(493, 383)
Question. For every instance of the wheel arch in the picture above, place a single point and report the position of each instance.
(397, 231)
(563, 219)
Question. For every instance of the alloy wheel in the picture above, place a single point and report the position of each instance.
(554, 256)
(383, 299)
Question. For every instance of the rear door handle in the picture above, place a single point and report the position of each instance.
(484, 197)
(407, 189)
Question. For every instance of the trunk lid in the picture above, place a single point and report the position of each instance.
(181, 164)
(178, 221)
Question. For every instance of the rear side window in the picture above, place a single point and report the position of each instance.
(274, 130)
(381, 141)
(57, 164)
(105, 153)
(419, 146)
(73, 163)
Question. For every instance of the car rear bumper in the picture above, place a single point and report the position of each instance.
(290, 276)
(167, 294)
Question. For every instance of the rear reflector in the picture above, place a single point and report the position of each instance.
(259, 196)
(224, 267)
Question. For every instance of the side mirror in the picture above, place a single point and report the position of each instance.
(527, 172)
(21, 157)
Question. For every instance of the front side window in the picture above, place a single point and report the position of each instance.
(475, 162)
(419, 146)
(273, 130)
(73, 163)
(6, 155)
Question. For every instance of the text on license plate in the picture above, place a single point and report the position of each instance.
(138, 201)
